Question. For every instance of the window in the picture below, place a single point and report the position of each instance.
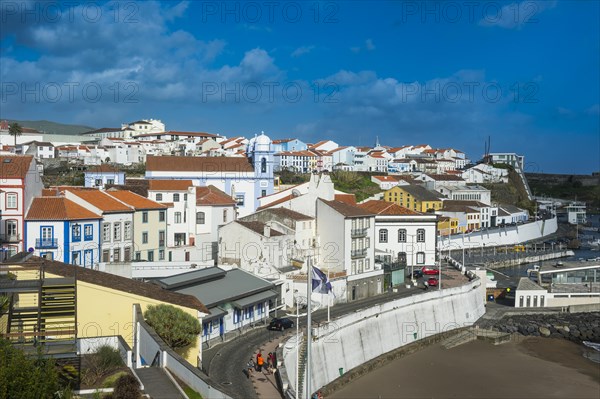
(177, 217)
(11, 229)
(161, 216)
(138, 255)
(239, 199)
(236, 316)
(161, 238)
(145, 237)
(175, 197)
(401, 235)
(161, 254)
(127, 230)
(420, 258)
(360, 266)
(263, 193)
(159, 197)
(110, 181)
(260, 308)
(383, 235)
(76, 232)
(263, 165)
(117, 255)
(127, 255)
(224, 215)
(200, 218)
(106, 232)
(88, 232)
(98, 182)
(11, 200)
(117, 232)
(105, 255)
(185, 197)
(367, 264)
(249, 312)
(421, 235)
(144, 217)
(353, 268)
(179, 239)
(150, 256)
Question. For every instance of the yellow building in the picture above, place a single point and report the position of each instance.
(416, 198)
(447, 225)
(104, 303)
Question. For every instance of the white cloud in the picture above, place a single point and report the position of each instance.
(302, 50)
(593, 110)
(369, 45)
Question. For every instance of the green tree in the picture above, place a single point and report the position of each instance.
(127, 387)
(175, 327)
(15, 130)
(24, 376)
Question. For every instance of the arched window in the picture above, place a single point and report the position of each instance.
(383, 235)
(263, 165)
(200, 218)
(401, 235)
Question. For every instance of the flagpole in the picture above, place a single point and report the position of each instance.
(308, 324)
(328, 301)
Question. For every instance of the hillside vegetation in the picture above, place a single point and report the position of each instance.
(54, 127)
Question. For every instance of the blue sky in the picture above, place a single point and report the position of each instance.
(525, 73)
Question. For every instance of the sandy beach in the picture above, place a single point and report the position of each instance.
(523, 368)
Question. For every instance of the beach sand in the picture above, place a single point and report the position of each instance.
(523, 368)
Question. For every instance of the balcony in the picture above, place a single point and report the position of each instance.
(357, 233)
(10, 237)
(358, 253)
(46, 243)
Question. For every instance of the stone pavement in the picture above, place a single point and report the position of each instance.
(264, 382)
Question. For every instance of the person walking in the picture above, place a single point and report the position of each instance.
(250, 366)
(272, 361)
(259, 362)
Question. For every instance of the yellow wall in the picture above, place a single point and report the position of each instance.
(103, 311)
(447, 227)
(400, 197)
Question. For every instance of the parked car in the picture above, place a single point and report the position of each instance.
(432, 282)
(428, 271)
(417, 274)
(280, 324)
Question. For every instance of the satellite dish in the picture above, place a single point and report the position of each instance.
(295, 193)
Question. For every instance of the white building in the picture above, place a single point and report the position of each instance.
(466, 193)
(508, 158)
(102, 175)
(39, 149)
(20, 183)
(406, 236)
(343, 157)
(325, 145)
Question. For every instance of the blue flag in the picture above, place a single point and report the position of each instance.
(320, 282)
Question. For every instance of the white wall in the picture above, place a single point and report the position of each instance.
(356, 338)
(509, 235)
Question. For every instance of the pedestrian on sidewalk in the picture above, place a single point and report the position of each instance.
(269, 362)
(273, 361)
(250, 366)
(259, 362)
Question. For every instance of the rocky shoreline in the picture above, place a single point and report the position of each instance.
(576, 327)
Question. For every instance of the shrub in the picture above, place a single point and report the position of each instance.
(104, 361)
(175, 327)
(127, 388)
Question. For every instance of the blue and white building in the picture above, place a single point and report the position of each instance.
(101, 175)
(57, 228)
(284, 145)
(244, 179)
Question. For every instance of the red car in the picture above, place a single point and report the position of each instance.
(432, 282)
(430, 272)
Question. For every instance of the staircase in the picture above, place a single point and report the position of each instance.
(57, 311)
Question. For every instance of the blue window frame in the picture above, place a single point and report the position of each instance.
(76, 232)
(237, 316)
(205, 327)
(88, 257)
(259, 308)
(249, 312)
(88, 232)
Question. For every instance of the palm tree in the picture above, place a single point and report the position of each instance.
(15, 130)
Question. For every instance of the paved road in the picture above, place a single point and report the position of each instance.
(225, 362)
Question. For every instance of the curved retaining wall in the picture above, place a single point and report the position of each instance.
(509, 235)
(352, 340)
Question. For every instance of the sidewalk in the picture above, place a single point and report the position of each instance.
(264, 382)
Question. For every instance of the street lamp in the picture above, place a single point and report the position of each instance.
(297, 316)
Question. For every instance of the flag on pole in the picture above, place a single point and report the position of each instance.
(320, 282)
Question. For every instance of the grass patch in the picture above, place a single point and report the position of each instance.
(191, 393)
(111, 380)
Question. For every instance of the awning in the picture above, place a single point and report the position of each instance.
(215, 313)
(252, 299)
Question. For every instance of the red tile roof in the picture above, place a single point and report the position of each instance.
(346, 209)
(169, 185)
(101, 200)
(197, 164)
(104, 168)
(386, 208)
(349, 199)
(58, 208)
(276, 202)
(210, 195)
(386, 178)
(258, 227)
(14, 166)
(134, 200)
